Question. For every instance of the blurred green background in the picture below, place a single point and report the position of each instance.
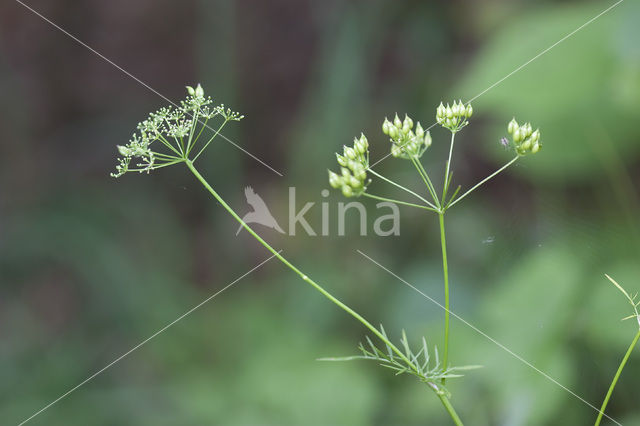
(91, 266)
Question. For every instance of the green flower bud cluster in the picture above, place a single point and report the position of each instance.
(354, 162)
(453, 117)
(524, 139)
(406, 141)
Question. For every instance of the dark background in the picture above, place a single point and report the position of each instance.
(90, 266)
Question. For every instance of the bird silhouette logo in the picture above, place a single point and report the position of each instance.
(260, 213)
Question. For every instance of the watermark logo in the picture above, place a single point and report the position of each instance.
(386, 223)
(260, 213)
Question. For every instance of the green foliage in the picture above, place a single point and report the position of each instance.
(430, 373)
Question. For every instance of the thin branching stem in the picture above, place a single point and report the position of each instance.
(492, 175)
(168, 144)
(217, 132)
(319, 288)
(197, 137)
(427, 181)
(194, 123)
(404, 203)
(447, 176)
(403, 188)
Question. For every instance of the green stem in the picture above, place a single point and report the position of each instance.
(445, 269)
(447, 177)
(325, 293)
(616, 377)
(447, 405)
(425, 178)
(444, 399)
(484, 180)
(217, 132)
(403, 188)
(404, 203)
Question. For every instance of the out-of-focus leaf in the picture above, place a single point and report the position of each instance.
(580, 92)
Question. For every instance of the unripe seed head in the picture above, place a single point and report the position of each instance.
(385, 126)
(397, 122)
(350, 153)
(536, 147)
(517, 135)
(334, 180)
(427, 139)
(408, 122)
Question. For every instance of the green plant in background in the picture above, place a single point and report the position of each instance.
(411, 142)
(172, 135)
(636, 315)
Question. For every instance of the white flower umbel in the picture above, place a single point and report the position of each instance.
(171, 135)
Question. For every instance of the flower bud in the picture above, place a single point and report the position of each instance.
(341, 160)
(535, 148)
(526, 145)
(440, 111)
(190, 90)
(346, 174)
(124, 151)
(393, 132)
(408, 122)
(469, 111)
(396, 151)
(385, 126)
(334, 180)
(512, 126)
(427, 139)
(356, 167)
(535, 136)
(199, 92)
(355, 182)
(517, 135)
(350, 153)
(364, 141)
(449, 112)
(347, 191)
(419, 131)
(397, 122)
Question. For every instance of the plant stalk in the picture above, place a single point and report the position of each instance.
(484, 180)
(443, 398)
(445, 269)
(450, 410)
(616, 377)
